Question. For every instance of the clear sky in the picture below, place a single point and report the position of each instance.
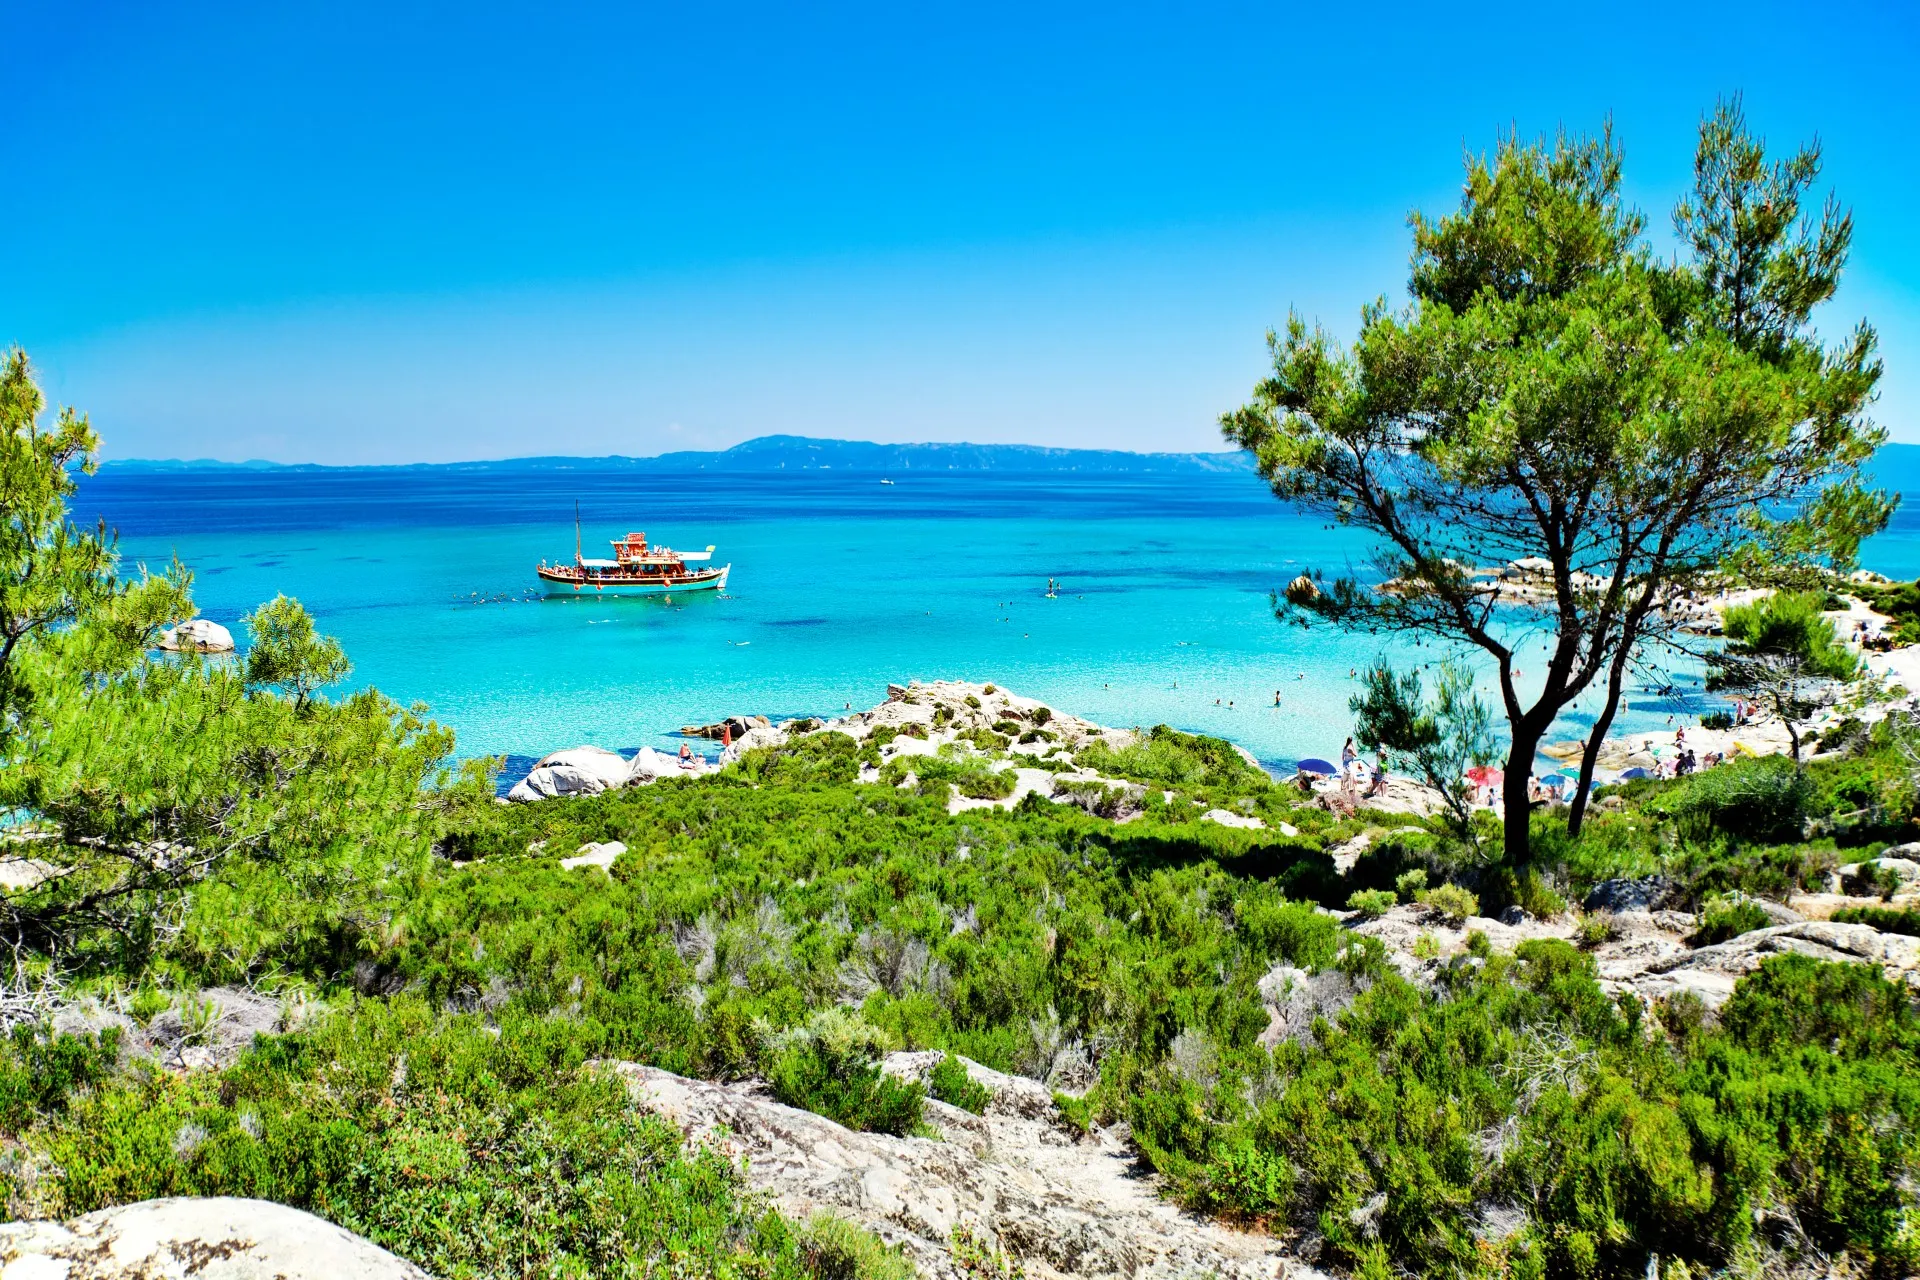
(351, 232)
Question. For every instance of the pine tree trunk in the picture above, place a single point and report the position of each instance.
(1583, 789)
(1516, 803)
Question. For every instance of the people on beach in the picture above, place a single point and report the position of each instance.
(1379, 773)
(1348, 755)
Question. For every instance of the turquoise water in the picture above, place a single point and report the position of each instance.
(840, 585)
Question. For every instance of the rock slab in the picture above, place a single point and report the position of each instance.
(209, 1239)
(1012, 1178)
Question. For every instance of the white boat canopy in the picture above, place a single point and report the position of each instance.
(601, 564)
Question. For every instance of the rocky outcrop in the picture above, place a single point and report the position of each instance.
(579, 771)
(735, 726)
(1646, 953)
(210, 1239)
(1013, 1178)
(594, 855)
(197, 636)
(1648, 893)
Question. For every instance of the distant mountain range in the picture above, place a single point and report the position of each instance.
(1897, 466)
(790, 453)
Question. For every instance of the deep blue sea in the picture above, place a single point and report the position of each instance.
(840, 584)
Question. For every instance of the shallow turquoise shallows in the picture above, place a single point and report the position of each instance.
(840, 584)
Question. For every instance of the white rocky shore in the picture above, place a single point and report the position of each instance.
(928, 719)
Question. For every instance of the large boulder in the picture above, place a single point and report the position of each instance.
(1647, 893)
(760, 735)
(211, 1239)
(197, 636)
(578, 771)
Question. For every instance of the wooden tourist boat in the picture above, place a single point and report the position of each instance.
(635, 570)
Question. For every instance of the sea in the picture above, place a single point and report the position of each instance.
(1163, 612)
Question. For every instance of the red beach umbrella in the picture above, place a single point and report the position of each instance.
(1485, 775)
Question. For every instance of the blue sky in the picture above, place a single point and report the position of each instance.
(381, 233)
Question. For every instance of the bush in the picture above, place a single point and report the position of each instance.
(1411, 884)
(829, 1067)
(40, 1072)
(1372, 903)
(1885, 919)
(468, 1149)
(831, 1248)
(1719, 720)
(950, 1082)
(1765, 798)
(1451, 903)
(986, 784)
(1723, 918)
(1040, 715)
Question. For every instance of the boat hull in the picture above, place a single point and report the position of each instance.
(561, 582)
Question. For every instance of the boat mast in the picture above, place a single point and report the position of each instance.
(576, 533)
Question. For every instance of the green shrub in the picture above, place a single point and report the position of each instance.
(40, 1072)
(469, 1149)
(832, 1248)
(986, 784)
(829, 1067)
(1007, 727)
(1410, 884)
(1451, 903)
(1763, 798)
(950, 1082)
(1040, 715)
(1717, 720)
(1885, 919)
(1371, 903)
(1594, 929)
(1723, 918)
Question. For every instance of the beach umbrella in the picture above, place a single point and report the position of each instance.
(1633, 774)
(1317, 766)
(1554, 780)
(1485, 775)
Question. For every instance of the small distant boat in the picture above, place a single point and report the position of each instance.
(635, 570)
(886, 481)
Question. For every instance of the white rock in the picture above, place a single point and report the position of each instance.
(211, 1239)
(594, 855)
(758, 736)
(1228, 818)
(197, 636)
(577, 771)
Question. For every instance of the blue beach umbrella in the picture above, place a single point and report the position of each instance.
(1317, 766)
(1634, 773)
(1554, 780)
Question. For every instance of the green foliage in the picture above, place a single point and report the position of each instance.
(1450, 902)
(40, 1072)
(950, 1082)
(288, 654)
(1722, 918)
(468, 1152)
(1717, 720)
(1555, 391)
(832, 1248)
(829, 1066)
(1371, 903)
(1783, 649)
(1885, 919)
(1171, 758)
(1438, 740)
(1755, 798)
(1409, 884)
